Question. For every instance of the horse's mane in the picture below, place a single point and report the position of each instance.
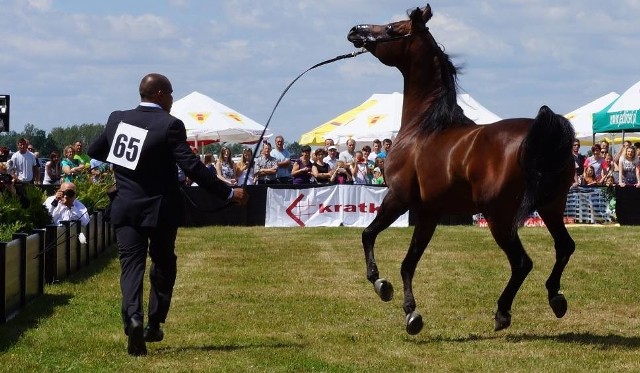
(445, 111)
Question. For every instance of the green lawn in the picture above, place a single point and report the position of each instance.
(297, 300)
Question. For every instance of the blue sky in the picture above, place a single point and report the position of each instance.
(74, 61)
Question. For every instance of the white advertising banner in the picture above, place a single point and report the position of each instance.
(330, 206)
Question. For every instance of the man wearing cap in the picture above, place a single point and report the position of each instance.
(332, 158)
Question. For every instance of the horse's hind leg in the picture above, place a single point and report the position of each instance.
(507, 238)
(564, 246)
(389, 211)
(421, 236)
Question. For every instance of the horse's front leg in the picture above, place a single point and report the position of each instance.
(422, 233)
(388, 212)
(564, 246)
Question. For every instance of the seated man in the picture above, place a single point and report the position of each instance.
(63, 206)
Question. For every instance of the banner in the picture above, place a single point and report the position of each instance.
(327, 206)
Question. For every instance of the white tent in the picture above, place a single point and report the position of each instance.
(207, 120)
(382, 119)
(582, 117)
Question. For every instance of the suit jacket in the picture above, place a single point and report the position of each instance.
(149, 195)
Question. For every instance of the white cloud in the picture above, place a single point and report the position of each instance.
(41, 5)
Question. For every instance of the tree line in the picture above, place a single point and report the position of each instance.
(59, 137)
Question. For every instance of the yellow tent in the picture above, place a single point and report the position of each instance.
(315, 137)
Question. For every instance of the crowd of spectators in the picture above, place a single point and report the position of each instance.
(602, 168)
(24, 167)
(324, 165)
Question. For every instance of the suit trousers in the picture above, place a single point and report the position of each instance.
(133, 244)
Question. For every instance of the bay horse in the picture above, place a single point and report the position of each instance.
(443, 163)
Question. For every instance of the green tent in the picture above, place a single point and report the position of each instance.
(622, 115)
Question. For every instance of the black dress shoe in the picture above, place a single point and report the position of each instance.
(135, 333)
(153, 333)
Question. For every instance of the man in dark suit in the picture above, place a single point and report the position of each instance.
(144, 145)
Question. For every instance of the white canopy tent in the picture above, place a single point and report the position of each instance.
(207, 120)
(582, 117)
(382, 119)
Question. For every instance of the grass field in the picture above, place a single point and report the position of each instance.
(296, 300)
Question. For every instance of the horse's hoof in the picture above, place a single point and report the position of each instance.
(558, 304)
(414, 323)
(501, 321)
(384, 289)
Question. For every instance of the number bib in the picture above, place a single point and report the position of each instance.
(127, 145)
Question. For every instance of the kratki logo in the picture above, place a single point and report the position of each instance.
(299, 209)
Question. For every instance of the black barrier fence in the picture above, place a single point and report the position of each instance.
(47, 255)
(584, 205)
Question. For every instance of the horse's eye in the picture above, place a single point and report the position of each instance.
(391, 31)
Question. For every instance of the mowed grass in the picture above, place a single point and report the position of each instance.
(297, 300)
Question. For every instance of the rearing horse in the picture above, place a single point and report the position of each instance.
(443, 163)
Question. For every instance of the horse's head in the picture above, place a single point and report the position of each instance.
(390, 42)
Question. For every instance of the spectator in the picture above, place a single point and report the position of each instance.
(302, 166)
(208, 162)
(24, 165)
(266, 166)
(282, 156)
(621, 152)
(579, 158)
(378, 179)
(82, 158)
(52, 170)
(63, 206)
(379, 162)
(596, 160)
(242, 168)
(332, 157)
(377, 145)
(225, 167)
(386, 147)
(360, 169)
(604, 147)
(71, 167)
(328, 143)
(320, 170)
(31, 150)
(4, 154)
(99, 170)
(347, 155)
(629, 169)
(589, 177)
(341, 174)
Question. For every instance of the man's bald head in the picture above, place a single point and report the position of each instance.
(157, 88)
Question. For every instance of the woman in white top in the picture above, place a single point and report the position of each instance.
(52, 170)
(242, 165)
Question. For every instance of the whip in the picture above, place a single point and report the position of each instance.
(264, 130)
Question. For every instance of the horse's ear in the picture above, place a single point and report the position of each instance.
(421, 16)
(426, 13)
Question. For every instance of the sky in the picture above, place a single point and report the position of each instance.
(71, 62)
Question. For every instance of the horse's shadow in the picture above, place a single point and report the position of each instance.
(602, 341)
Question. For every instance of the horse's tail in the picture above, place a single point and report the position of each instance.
(545, 156)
